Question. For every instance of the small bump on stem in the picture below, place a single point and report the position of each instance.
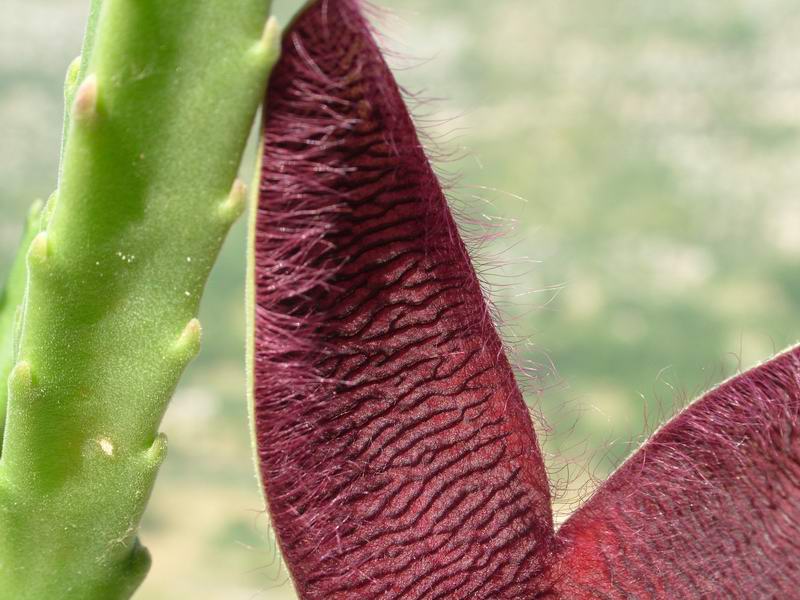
(39, 250)
(234, 205)
(73, 72)
(157, 451)
(84, 108)
(269, 46)
(20, 381)
(188, 344)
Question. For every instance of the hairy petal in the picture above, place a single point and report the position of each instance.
(708, 508)
(397, 454)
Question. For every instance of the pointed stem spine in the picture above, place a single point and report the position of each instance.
(39, 250)
(187, 347)
(85, 105)
(271, 38)
(235, 203)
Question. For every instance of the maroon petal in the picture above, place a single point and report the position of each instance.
(708, 508)
(396, 451)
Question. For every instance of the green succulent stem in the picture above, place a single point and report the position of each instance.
(160, 110)
(11, 299)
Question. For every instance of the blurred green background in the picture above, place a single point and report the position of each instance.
(643, 159)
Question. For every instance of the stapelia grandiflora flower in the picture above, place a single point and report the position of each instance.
(396, 451)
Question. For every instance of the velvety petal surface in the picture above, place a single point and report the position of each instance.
(708, 508)
(396, 451)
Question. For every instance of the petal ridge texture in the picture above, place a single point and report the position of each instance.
(397, 453)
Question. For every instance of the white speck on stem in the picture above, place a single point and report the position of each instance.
(106, 446)
(128, 258)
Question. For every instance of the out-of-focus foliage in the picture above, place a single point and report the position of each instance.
(648, 152)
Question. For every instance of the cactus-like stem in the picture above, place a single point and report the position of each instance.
(77, 69)
(159, 119)
(10, 305)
